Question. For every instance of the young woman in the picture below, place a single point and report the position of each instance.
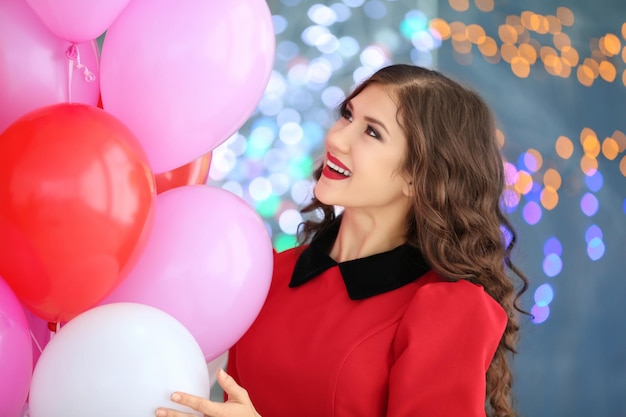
(401, 305)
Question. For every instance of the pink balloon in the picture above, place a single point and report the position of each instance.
(77, 20)
(208, 263)
(16, 358)
(35, 69)
(184, 76)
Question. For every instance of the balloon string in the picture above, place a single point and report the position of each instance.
(36, 341)
(73, 55)
(69, 80)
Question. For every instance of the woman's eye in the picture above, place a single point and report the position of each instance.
(372, 132)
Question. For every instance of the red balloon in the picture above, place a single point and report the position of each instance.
(193, 173)
(78, 200)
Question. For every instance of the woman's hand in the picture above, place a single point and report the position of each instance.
(238, 404)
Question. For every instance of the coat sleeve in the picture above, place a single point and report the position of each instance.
(443, 348)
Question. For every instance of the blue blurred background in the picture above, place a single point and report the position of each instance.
(555, 75)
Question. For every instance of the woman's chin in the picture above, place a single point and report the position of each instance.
(322, 194)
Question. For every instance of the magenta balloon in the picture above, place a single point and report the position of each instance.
(34, 68)
(77, 20)
(184, 76)
(208, 263)
(40, 333)
(16, 357)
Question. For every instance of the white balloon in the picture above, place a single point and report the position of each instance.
(120, 359)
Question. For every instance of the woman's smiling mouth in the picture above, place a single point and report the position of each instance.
(334, 169)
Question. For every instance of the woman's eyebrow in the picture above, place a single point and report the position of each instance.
(369, 119)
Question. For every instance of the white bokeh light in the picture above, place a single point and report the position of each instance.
(423, 41)
(312, 34)
(320, 71)
(389, 37)
(289, 221)
(332, 96)
(276, 84)
(342, 11)
(375, 9)
(260, 188)
(288, 115)
(279, 23)
(262, 137)
(298, 74)
(275, 159)
(280, 183)
(328, 43)
(361, 73)
(348, 46)
(287, 50)
(237, 143)
(290, 133)
(322, 14)
(373, 56)
(271, 104)
(223, 160)
(354, 3)
(302, 191)
(234, 187)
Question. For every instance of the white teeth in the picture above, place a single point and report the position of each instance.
(339, 170)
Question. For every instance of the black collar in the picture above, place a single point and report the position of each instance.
(364, 277)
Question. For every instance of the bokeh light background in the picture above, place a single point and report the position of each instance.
(555, 75)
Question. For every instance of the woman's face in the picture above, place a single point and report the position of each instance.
(365, 150)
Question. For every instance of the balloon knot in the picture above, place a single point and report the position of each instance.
(73, 54)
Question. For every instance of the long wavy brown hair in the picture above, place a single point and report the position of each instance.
(456, 219)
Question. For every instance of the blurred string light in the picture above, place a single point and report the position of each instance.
(552, 266)
(534, 183)
(534, 39)
(531, 177)
(324, 49)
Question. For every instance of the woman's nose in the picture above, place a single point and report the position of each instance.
(339, 138)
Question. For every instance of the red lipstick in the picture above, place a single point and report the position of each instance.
(332, 173)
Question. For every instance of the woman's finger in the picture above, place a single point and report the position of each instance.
(204, 406)
(168, 412)
(238, 404)
(235, 392)
(194, 402)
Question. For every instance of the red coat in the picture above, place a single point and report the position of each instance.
(407, 343)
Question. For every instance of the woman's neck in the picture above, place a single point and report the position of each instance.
(361, 235)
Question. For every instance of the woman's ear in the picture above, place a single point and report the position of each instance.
(407, 189)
